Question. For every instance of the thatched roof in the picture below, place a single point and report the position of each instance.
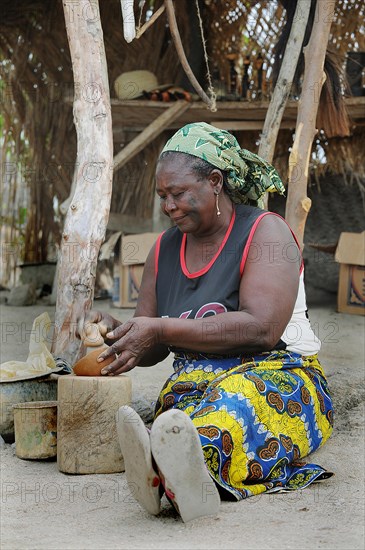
(37, 123)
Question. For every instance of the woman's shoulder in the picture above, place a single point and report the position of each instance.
(275, 225)
(267, 221)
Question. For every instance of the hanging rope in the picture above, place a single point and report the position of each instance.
(212, 94)
(138, 28)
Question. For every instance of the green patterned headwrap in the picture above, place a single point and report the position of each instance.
(248, 175)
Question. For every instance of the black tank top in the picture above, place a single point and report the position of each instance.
(215, 288)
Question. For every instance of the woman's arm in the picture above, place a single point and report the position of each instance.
(267, 297)
(147, 307)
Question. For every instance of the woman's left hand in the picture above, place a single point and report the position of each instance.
(133, 340)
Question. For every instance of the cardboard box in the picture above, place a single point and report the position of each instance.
(350, 253)
(128, 267)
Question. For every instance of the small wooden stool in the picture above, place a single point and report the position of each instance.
(87, 441)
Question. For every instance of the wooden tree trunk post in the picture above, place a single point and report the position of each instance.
(298, 204)
(87, 216)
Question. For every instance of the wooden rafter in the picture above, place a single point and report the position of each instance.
(140, 31)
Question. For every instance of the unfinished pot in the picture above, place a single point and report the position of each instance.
(88, 365)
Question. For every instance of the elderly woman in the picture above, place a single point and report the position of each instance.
(223, 291)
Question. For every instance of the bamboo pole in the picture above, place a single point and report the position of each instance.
(87, 216)
(298, 204)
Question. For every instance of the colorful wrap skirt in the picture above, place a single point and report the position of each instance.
(257, 417)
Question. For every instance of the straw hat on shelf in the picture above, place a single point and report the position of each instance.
(133, 84)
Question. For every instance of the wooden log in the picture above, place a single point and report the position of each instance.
(87, 216)
(87, 441)
(298, 204)
(149, 133)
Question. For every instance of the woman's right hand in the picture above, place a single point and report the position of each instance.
(93, 326)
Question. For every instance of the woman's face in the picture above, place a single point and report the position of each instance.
(186, 199)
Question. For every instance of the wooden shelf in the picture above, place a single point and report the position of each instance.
(149, 118)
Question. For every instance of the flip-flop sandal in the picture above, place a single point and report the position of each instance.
(134, 441)
(177, 451)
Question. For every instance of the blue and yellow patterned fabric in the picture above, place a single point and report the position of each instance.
(257, 417)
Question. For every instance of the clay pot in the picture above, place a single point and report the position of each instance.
(88, 365)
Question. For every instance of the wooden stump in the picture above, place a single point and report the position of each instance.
(87, 441)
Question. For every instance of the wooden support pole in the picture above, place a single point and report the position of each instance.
(284, 83)
(149, 133)
(298, 204)
(87, 216)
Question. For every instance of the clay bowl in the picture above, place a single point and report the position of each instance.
(88, 365)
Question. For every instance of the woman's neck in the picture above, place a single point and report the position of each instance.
(217, 230)
(200, 250)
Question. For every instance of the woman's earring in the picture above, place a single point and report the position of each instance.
(216, 204)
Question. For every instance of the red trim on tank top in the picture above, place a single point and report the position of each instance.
(157, 252)
(250, 237)
(205, 269)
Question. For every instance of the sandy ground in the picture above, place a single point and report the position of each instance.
(45, 509)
